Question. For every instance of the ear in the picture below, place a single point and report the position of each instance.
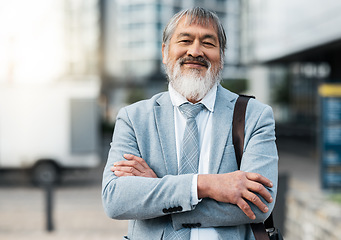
(163, 53)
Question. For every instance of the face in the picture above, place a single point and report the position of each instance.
(192, 59)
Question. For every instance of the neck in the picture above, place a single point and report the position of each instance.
(193, 101)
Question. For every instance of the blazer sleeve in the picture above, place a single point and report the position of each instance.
(139, 197)
(260, 156)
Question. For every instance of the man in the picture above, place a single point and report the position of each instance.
(157, 150)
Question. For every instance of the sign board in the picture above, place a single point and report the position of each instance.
(330, 137)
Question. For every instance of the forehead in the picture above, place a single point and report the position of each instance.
(195, 26)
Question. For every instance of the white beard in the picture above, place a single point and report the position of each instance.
(192, 85)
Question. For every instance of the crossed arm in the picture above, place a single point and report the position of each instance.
(235, 187)
(225, 196)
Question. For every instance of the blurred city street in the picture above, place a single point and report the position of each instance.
(67, 67)
(300, 161)
(77, 207)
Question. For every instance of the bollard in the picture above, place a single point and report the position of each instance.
(279, 213)
(49, 206)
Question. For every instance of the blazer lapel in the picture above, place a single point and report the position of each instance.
(222, 123)
(164, 117)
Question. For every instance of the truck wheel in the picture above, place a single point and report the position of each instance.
(45, 173)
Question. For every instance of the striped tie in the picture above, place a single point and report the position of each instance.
(189, 160)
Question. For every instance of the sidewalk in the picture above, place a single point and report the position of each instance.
(77, 213)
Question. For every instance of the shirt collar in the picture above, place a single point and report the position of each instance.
(208, 101)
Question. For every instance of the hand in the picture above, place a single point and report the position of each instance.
(236, 187)
(135, 166)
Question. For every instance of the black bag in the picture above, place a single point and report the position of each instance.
(261, 231)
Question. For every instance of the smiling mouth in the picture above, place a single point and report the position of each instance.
(195, 62)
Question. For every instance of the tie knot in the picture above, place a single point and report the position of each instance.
(191, 110)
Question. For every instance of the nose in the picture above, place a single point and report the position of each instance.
(195, 50)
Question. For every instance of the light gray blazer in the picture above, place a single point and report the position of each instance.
(146, 129)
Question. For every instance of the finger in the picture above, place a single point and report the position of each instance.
(259, 188)
(130, 163)
(128, 156)
(259, 178)
(122, 174)
(136, 158)
(256, 201)
(242, 204)
(129, 170)
(120, 163)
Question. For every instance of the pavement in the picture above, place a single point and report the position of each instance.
(77, 211)
(77, 207)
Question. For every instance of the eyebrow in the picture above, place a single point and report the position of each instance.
(183, 35)
(210, 36)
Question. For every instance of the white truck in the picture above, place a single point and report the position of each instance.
(48, 128)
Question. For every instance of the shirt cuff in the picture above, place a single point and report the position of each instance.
(194, 191)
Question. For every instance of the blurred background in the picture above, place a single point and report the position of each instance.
(68, 66)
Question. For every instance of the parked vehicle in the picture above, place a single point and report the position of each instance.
(48, 128)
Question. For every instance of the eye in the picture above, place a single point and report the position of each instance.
(184, 41)
(209, 44)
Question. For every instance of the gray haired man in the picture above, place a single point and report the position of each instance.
(171, 169)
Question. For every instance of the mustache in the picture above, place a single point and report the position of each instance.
(199, 60)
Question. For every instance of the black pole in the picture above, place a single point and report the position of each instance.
(49, 207)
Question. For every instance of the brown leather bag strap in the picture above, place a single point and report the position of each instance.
(238, 126)
(259, 231)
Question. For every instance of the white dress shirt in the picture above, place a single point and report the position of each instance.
(204, 123)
